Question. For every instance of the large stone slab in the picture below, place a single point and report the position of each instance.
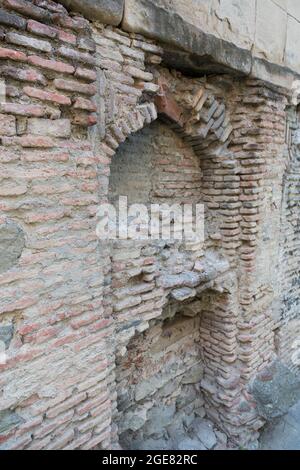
(106, 11)
(205, 51)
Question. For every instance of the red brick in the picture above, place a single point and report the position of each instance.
(23, 109)
(91, 404)
(51, 64)
(78, 24)
(47, 96)
(33, 141)
(67, 37)
(74, 86)
(41, 29)
(13, 55)
(12, 20)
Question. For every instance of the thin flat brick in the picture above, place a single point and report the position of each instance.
(28, 42)
(47, 96)
(66, 405)
(13, 55)
(23, 109)
(41, 29)
(51, 64)
(27, 8)
(24, 75)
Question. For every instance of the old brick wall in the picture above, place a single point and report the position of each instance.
(53, 384)
(70, 305)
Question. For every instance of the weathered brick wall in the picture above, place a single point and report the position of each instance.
(53, 382)
(70, 305)
(289, 326)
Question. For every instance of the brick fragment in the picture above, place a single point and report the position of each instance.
(23, 109)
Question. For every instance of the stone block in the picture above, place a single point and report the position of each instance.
(12, 242)
(235, 21)
(49, 127)
(268, 45)
(276, 390)
(9, 420)
(292, 56)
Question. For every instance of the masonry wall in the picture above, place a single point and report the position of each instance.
(70, 305)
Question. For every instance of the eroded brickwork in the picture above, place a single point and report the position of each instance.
(91, 113)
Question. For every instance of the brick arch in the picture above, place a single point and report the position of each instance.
(203, 122)
(203, 119)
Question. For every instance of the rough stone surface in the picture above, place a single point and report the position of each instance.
(6, 334)
(283, 433)
(9, 420)
(12, 242)
(276, 390)
(203, 430)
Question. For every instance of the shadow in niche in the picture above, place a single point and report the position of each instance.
(160, 404)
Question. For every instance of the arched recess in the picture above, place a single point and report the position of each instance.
(203, 284)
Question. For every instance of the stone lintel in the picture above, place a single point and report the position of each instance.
(106, 11)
